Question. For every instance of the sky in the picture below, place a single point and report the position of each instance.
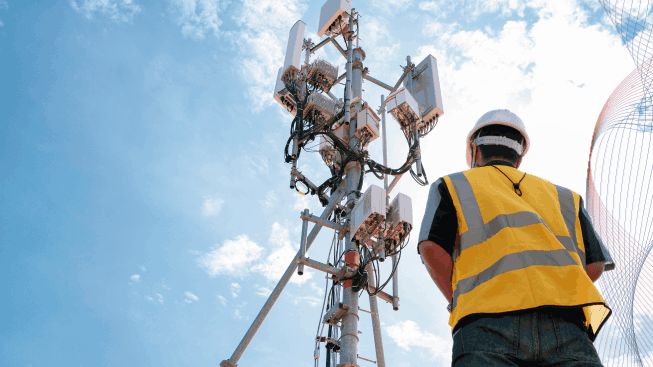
(145, 211)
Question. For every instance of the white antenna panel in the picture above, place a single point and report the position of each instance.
(333, 16)
(400, 218)
(294, 49)
(425, 88)
(367, 122)
(279, 86)
(403, 107)
(282, 95)
(367, 213)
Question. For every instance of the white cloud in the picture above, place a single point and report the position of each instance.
(3, 5)
(433, 6)
(270, 199)
(505, 7)
(235, 289)
(163, 284)
(309, 300)
(117, 10)
(262, 291)
(315, 287)
(528, 69)
(198, 18)
(257, 165)
(474, 8)
(262, 43)
(408, 334)
(283, 253)
(211, 206)
(233, 257)
(376, 36)
(159, 298)
(190, 298)
(301, 201)
(222, 300)
(392, 6)
(237, 315)
(142, 268)
(135, 278)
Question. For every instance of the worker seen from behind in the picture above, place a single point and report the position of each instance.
(515, 256)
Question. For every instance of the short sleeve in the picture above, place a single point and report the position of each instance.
(440, 224)
(595, 250)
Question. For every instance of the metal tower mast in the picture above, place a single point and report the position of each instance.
(346, 127)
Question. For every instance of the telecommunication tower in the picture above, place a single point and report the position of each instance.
(368, 226)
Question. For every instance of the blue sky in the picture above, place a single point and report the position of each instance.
(145, 212)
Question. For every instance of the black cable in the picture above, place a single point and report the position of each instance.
(515, 186)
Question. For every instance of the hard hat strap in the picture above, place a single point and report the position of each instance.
(500, 140)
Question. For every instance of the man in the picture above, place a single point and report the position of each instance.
(515, 256)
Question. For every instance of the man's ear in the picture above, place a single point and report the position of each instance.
(476, 154)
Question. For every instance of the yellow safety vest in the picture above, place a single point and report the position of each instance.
(518, 252)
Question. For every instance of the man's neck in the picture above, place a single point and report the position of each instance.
(499, 162)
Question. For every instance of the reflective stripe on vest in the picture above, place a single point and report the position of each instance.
(479, 232)
(512, 262)
(568, 210)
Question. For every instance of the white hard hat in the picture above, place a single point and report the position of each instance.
(498, 117)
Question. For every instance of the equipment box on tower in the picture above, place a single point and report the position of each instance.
(403, 107)
(425, 88)
(368, 213)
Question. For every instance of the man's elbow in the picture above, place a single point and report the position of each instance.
(594, 270)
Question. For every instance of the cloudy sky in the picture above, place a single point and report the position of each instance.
(146, 213)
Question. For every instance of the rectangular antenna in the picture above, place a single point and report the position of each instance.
(294, 49)
(282, 95)
(333, 16)
(424, 86)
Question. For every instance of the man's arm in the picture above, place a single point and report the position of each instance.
(596, 254)
(439, 265)
(595, 270)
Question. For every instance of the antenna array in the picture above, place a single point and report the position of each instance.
(368, 227)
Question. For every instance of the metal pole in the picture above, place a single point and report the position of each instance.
(418, 160)
(294, 167)
(235, 357)
(376, 324)
(385, 147)
(307, 55)
(349, 337)
(395, 276)
(395, 285)
(302, 245)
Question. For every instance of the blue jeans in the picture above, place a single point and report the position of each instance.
(536, 338)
